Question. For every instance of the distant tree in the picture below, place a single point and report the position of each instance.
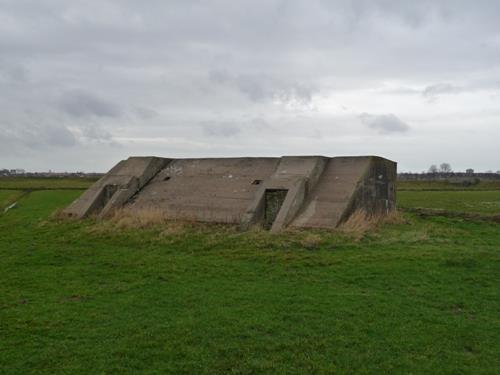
(469, 171)
(433, 169)
(445, 168)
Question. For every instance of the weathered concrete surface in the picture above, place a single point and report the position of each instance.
(312, 191)
(298, 175)
(115, 188)
(347, 184)
(216, 190)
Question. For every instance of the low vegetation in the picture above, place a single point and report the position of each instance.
(141, 294)
(360, 222)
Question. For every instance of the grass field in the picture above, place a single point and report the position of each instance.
(420, 297)
(482, 202)
(443, 185)
(45, 183)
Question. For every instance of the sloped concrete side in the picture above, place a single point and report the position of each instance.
(296, 174)
(116, 187)
(328, 202)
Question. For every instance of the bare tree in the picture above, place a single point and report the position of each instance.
(433, 168)
(445, 168)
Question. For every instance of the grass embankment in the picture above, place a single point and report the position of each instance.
(6, 196)
(87, 297)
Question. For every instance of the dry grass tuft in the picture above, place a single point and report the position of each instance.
(157, 220)
(360, 222)
(60, 215)
(394, 217)
(311, 241)
(174, 228)
(126, 218)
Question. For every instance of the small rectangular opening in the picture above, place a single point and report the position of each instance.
(274, 199)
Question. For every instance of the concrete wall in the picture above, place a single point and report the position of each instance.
(321, 192)
(328, 203)
(115, 188)
(218, 190)
(375, 192)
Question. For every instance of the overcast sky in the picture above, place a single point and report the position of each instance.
(84, 84)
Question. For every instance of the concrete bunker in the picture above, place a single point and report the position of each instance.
(291, 191)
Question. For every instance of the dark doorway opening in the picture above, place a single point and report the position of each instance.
(274, 199)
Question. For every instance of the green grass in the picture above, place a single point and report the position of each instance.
(443, 185)
(482, 202)
(86, 297)
(45, 183)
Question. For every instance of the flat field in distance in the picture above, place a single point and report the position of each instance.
(421, 296)
(471, 201)
(443, 185)
(23, 183)
(483, 198)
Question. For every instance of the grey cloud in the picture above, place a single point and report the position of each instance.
(431, 92)
(234, 127)
(220, 129)
(440, 89)
(263, 87)
(15, 73)
(384, 124)
(36, 137)
(145, 113)
(57, 135)
(259, 124)
(80, 103)
(95, 133)
(220, 76)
